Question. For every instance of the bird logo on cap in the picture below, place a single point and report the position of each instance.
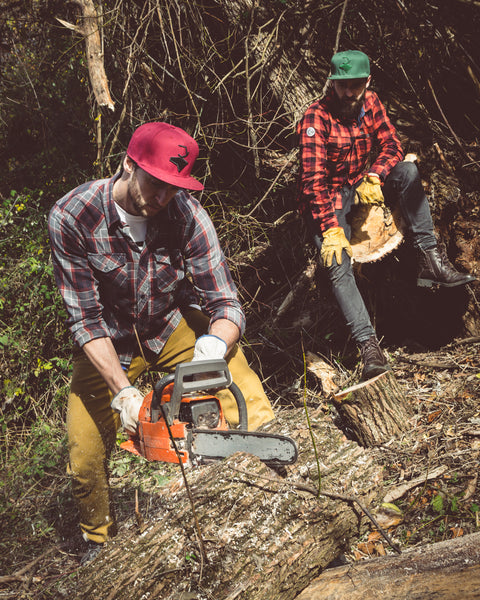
(346, 66)
(179, 160)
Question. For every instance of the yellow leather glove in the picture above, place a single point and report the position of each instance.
(334, 241)
(369, 191)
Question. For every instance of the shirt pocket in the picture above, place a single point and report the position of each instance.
(338, 158)
(111, 270)
(169, 273)
(337, 152)
(363, 145)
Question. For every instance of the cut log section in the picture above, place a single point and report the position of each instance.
(376, 231)
(374, 410)
(448, 570)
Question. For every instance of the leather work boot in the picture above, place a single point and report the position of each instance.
(374, 361)
(435, 268)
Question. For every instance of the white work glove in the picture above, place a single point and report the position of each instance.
(128, 402)
(208, 347)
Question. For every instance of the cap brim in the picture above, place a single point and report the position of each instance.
(343, 77)
(188, 183)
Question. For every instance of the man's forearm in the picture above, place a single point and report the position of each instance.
(227, 331)
(104, 358)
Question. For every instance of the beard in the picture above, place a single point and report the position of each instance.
(136, 201)
(348, 108)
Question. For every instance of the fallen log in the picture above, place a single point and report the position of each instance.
(448, 570)
(264, 539)
(374, 410)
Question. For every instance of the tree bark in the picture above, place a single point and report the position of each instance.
(448, 570)
(93, 48)
(375, 410)
(292, 73)
(264, 539)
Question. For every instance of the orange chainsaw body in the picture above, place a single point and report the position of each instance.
(180, 421)
(153, 440)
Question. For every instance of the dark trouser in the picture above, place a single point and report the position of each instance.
(402, 186)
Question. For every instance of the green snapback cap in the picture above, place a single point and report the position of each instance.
(349, 64)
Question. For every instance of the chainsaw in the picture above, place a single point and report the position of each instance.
(180, 422)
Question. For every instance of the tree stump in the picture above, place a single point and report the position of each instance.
(375, 410)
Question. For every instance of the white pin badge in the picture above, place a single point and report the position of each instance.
(310, 131)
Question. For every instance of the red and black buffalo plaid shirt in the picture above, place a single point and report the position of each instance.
(109, 284)
(336, 153)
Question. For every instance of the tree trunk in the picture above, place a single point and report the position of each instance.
(264, 539)
(295, 88)
(447, 570)
(375, 410)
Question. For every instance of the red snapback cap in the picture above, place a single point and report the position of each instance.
(166, 152)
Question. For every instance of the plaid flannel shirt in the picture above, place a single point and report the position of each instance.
(109, 285)
(335, 153)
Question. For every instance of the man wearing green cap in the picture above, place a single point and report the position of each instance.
(349, 154)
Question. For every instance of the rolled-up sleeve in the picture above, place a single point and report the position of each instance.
(211, 277)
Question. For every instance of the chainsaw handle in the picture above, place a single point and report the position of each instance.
(156, 408)
(241, 405)
(180, 386)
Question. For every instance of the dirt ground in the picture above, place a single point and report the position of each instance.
(430, 475)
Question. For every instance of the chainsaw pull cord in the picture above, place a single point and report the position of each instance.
(198, 531)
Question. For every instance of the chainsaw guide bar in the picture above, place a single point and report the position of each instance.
(269, 447)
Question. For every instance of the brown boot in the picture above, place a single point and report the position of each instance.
(435, 268)
(374, 361)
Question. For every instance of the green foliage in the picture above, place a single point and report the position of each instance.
(28, 459)
(437, 504)
(140, 472)
(33, 344)
(442, 504)
(190, 557)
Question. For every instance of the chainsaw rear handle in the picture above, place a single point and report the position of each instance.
(216, 376)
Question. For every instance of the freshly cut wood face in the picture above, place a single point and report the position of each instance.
(376, 231)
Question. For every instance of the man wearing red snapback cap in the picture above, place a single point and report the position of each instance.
(134, 257)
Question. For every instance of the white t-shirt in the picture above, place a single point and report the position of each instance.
(137, 225)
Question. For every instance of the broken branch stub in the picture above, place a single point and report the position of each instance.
(90, 30)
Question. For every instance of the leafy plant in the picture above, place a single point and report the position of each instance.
(34, 347)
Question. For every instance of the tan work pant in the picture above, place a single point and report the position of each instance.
(92, 425)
